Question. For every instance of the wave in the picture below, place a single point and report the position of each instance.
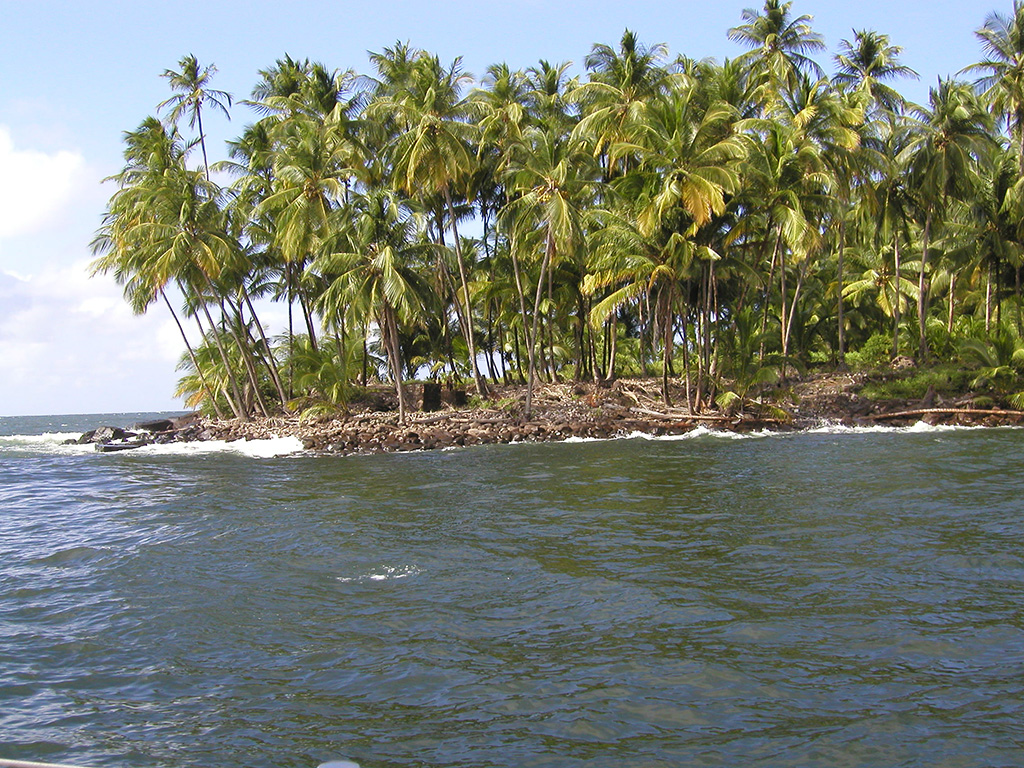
(825, 428)
(53, 443)
(387, 573)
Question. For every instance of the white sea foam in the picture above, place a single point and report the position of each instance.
(386, 573)
(48, 442)
(53, 443)
(920, 427)
(826, 428)
(257, 449)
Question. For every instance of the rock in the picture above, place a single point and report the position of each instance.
(110, 447)
(929, 398)
(103, 435)
(160, 425)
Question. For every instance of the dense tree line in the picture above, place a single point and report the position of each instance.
(721, 223)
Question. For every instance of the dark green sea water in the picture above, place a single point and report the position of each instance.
(822, 599)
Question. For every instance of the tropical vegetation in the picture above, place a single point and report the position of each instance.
(722, 225)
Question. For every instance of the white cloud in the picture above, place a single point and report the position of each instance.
(70, 344)
(35, 185)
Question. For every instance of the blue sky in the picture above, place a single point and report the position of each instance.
(74, 76)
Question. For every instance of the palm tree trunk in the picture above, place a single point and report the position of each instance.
(792, 310)
(243, 352)
(531, 343)
(898, 299)
(782, 308)
(236, 401)
(481, 386)
(308, 316)
(767, 293)
(394, 351)
(192, 357)
(613, 345)
(665, 299)
(988, 298)
(517, 272)
(686, 362)
(952, 304)
(840, 327)
(922, 296)
(268, 359)
(202, 141)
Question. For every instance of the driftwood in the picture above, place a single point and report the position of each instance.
(947, 412)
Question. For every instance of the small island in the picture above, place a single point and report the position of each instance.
(649, 243)
(566, 411)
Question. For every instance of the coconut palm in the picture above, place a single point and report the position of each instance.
(166, 224)
(548, 187)
(622, 85)
(780, 47)
(191, 93)
(434, 155)
(865, 66)
(1002, 80)
(370, 265)
(949, 137)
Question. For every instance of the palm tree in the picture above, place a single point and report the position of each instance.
(548, 188)
(621, 87)
(780, 46)
(165, 224)
(865, 65)
(371, 272)
(191, 93)
(434, 155)
(1002, 40)
(950, 136)
(788, 182)
(885, 208)
(312, 166)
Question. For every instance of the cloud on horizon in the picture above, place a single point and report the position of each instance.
(36, 185)
(70, 344)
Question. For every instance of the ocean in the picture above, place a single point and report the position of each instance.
(830, 598)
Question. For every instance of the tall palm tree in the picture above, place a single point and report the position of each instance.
(950, 137)
(781, 47)
(865, 66)
(191, 93)
(622, 85)
(1002, 80)
(548, 189)
(371, 271)
(166, 223)
(434, 154)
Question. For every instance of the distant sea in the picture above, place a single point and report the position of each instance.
(831, 598)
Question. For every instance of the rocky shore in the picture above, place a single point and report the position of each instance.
(560, 412)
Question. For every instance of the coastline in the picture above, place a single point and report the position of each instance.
(562, 412)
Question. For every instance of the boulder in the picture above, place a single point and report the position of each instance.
(160, 425)
(104, 435)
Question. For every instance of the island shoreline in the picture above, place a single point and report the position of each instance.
(561, 412)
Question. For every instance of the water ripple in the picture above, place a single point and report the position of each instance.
(815, 600)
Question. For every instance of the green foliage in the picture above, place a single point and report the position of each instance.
(997, 362)
(914, 385)
(322, 375)
(646, 215)
(875, 353)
